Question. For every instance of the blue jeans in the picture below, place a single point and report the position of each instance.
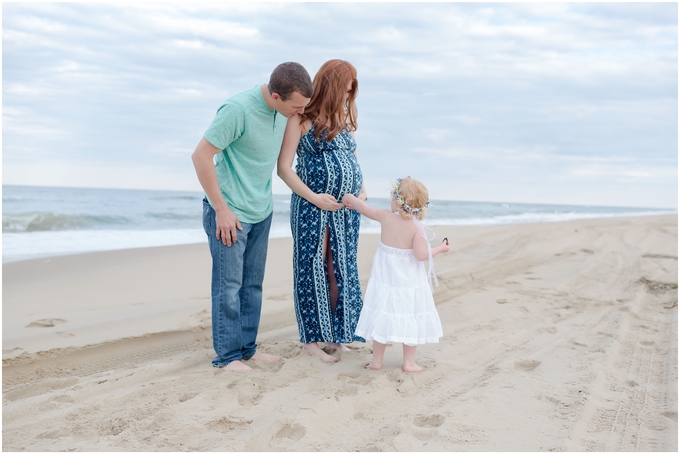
(237, 275)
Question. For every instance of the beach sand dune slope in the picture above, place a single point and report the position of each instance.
(557, 337)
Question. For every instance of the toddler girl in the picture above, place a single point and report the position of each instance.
(398, 305)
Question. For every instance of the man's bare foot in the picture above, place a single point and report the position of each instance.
(258, 356)
(341, 347)
(373, 366)
(317, 351)
(237, 366)
(411, 368)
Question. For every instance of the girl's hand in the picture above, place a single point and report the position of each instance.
(326, 202)
(444, 246)
(347, 200)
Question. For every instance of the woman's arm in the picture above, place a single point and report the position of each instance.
(362, 194)
(291, 139)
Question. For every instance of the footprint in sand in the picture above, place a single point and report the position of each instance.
(46, 323)
(114, 426)
(187, 396)
(288, 350)
(64, 399)
(248, 394)
(347, 391)
(53, 434)
(430, 421)
(227, 424)
(671, 415)
(370, 448)
(351, 383)
(294, 432)
(356, 378)
(527, 364)
(423, 428)
(395, 376)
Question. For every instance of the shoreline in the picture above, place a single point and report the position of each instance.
(549, 329)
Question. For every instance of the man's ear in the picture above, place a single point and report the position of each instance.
(276, 96)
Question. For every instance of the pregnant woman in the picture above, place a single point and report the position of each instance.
(325, 232)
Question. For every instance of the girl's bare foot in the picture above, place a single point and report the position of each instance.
(237, 366)
(317, 351)
(413, 367)
(378, 355)
(341, 347)
(258, 356)
(409, 359)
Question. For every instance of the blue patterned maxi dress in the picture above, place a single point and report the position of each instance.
(331, 168)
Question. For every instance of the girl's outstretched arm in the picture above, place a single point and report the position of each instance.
(353, 202)
(442, 248)
(420, 250)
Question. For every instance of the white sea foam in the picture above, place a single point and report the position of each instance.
(40, 222)
(18, 246)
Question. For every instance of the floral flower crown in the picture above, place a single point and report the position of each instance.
(402, 202)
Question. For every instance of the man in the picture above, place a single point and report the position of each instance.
(244, 139)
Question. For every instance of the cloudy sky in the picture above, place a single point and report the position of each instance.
(539, 102)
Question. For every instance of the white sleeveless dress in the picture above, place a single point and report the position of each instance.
(398, 305)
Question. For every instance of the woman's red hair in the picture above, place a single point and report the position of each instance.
(328, 110)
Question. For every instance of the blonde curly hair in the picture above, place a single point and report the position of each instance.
(411, 197)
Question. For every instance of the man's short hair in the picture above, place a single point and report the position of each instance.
(290, 77)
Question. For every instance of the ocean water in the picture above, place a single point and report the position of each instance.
(44, 221)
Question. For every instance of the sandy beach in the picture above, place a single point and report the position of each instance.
(557, 337)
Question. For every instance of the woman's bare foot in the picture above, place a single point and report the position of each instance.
(317, 351)
(258, 356)
(237, 366)
(341, 347)
(373, 366)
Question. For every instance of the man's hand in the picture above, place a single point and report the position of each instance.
(227, 223)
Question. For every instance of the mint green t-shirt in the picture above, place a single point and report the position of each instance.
(250, 135)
